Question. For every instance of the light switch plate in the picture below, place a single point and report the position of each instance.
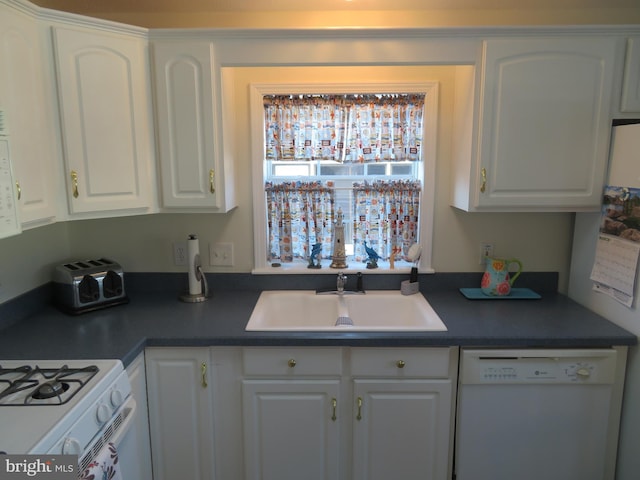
(221, 254)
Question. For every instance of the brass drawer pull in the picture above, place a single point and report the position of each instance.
(483, 187)
(212, 187)
(400, 364)
(292, 362)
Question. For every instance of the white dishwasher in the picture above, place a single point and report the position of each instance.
(537, 414)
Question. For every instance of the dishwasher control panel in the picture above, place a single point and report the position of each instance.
(538, 366)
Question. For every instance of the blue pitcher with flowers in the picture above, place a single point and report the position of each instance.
(496, 281)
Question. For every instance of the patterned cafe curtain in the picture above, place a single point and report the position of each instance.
(299, 215)
(344, 129)
(386, 217)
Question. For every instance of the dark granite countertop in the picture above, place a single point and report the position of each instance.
(155, 317)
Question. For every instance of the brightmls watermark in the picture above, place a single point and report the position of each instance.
(50, 467)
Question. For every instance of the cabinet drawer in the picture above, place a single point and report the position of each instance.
(403, 362)
(292, 361)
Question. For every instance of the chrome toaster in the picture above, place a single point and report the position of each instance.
(88, 285)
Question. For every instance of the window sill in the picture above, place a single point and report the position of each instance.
(300, 268)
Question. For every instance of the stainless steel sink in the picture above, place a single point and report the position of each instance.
(377, 310)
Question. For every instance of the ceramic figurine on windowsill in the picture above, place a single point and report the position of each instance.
(314, 261)
(372, 261)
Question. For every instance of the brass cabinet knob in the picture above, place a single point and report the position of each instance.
(291, 362)
(400, 364)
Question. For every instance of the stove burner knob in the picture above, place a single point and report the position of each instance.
(71, 446)
(103, 413)
(117, 398)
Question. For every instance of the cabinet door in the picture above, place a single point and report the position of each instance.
(544, 123)
(26, 97)
(190, 133)
(631, 85)
(137, 440)
(180, 413)
(401, 429)
(291, 429)
(103, 88)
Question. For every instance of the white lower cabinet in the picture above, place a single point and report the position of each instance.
(291, 399)
(313, 413)
(403, 417)
(353, 413)
(180, 395)
(138, 438)
(291, 429)
(402, 426)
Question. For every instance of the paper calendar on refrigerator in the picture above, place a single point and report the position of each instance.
(618, 247)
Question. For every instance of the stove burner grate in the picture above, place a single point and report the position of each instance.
(42, 386)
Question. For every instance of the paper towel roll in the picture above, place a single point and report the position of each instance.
(193, 261)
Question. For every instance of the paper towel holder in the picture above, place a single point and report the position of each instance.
(192, 296)
(198, 297)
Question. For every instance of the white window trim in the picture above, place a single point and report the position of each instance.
(430, 135)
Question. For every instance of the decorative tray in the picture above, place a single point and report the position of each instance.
(516, 294)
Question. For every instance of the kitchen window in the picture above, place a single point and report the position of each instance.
(324, 152)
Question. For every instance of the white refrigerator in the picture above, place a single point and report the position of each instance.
(624, 171)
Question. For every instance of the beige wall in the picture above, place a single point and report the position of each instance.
(144, 243)
(27, 260)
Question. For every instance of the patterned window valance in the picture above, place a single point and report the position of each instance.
(344, 128)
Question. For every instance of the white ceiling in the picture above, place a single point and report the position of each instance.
(324, 5)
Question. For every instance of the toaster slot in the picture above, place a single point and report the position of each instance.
(112, 285)
(88, 289)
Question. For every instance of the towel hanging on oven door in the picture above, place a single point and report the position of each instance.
(104, 466)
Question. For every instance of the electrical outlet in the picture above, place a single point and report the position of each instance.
(180, 254)
(221, 254)
(486, 250)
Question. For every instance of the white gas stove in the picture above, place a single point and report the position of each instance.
(63, 407)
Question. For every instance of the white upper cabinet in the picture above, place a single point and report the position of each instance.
(631, 82)
(103, 86)
(542, 126)
(194, 158)
(27, 98)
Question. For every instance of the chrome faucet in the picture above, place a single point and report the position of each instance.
(341, 281)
